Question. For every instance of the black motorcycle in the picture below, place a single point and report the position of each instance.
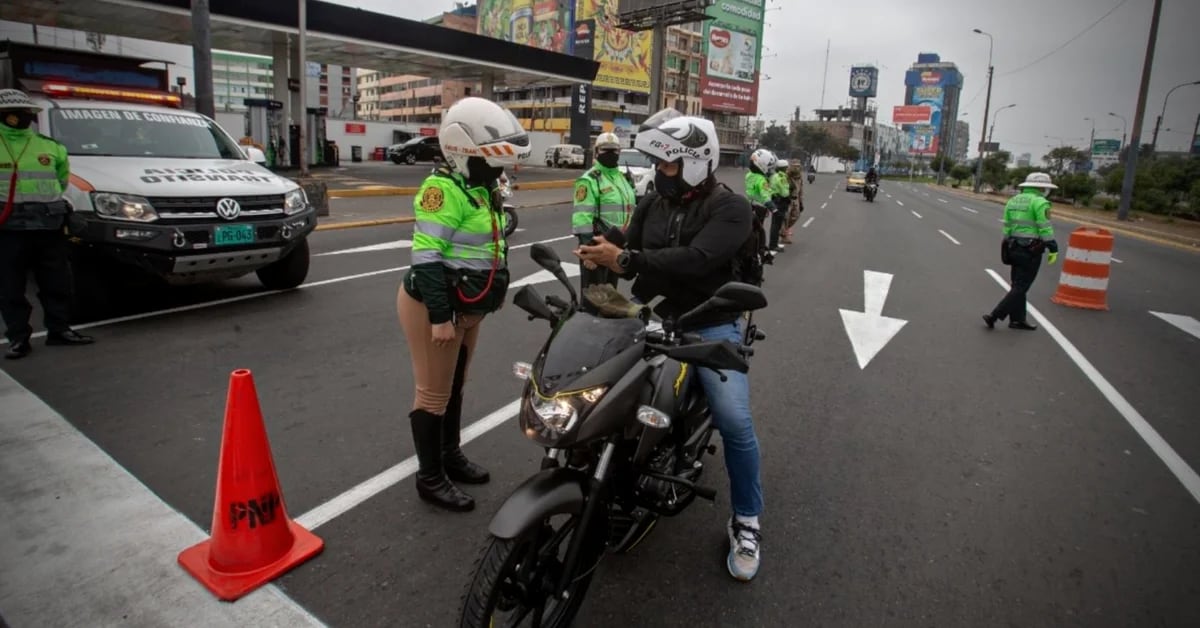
(617, 406)
(811, 177)
(870, 190)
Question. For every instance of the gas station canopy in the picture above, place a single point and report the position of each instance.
(336, 34)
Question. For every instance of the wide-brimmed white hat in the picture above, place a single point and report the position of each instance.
(17, 99)
(1038, 180)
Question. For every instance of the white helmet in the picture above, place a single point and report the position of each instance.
(1038, 180)
(671, 136)
(782, 164)
(607, 141)
(16, 99)
(763, 159)
(477, 127)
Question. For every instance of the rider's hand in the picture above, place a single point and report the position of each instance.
(443, 334)
(600, 253)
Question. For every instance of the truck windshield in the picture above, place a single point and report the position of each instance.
(140, 133)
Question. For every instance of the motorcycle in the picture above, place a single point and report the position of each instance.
(870, 190)
(811, 177)
(505, 185)
(617, 407)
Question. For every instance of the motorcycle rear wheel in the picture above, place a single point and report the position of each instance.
(515, 577)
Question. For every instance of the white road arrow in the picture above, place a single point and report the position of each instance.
(1186, 323)
(543, 276)
(869, 330)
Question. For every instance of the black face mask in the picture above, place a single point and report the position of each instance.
(668, 187)
(481, 173)
(608, 159)
(18, 119)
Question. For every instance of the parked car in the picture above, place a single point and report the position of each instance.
(414, 150)
(856, 181)
(637, 165)
(569, 156)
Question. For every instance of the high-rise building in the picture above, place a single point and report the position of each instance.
(938, 85)
(962, 141)
(238, 76)
(1025, 160)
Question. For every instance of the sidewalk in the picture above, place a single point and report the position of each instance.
(346, 213)
(1183, 234)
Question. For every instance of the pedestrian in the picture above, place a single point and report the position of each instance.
(459, 275)
(604, 199)
(1027, 233)
(684, 243)
(33, 176)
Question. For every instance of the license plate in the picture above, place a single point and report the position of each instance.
(233, 234)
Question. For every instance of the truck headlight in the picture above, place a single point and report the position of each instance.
(551, 418)
(124, 207)
(295, 202)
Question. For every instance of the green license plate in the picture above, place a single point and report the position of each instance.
(233, 234)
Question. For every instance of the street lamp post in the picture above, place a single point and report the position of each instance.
(987, 103)
(1124, 128)
(1158, 122)
(1092, 140)
(996, 116)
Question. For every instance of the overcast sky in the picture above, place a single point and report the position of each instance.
(1097, 73)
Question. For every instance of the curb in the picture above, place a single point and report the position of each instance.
(412, 191)
(354, 224)
(1183, 243)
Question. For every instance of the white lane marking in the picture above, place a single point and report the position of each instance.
(70, 552)
(824, 204)
(942, 200)
(255, 295)
(949, 237)
(1185, 323)
(900, 202)
(869, 330)
(1158, 445)
(999, 220)
(808, 222)
(916, 214)
(973, 211)
(1117, 261)
(889, 196)
(367, 489)
(831, 196)
(370, 248)
(543, 276)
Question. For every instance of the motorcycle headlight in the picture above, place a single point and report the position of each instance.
(123, 207)
(295, 202)
(550, 418)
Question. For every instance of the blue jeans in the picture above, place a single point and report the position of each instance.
(730, 405)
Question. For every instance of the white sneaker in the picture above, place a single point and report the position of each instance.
(744, 550)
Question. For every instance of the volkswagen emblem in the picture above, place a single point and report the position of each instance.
(228, 208)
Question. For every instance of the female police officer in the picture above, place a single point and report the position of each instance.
(458, 275)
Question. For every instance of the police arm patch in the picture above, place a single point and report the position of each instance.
(580, 193)
(433, 199)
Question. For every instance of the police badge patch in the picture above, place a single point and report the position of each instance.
(580, 193)
(44, 159)
(432, 199)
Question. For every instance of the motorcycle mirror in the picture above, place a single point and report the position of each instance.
(548, 259)
(528, 299)
(743, 295)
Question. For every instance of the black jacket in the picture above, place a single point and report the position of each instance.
(688, 271)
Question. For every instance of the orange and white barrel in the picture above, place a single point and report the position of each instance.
(1085, 272)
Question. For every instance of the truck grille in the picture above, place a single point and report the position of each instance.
(193, 209)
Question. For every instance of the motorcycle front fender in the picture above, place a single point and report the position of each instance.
(549, 492)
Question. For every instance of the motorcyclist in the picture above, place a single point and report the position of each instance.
(685, 260)
(872, 176)
(604, 199)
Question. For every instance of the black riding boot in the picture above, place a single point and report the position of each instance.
(458, 468)
(432, 484)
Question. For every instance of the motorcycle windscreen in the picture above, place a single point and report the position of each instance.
(583, 343)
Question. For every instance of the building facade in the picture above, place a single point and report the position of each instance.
(891, 144)
(238, 76)
(962, 141)
(936, 84)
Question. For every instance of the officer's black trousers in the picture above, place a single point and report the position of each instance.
(45, 253)
(778, 217)
(1025, 265)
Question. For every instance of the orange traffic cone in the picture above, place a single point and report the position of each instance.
(1084, 279)
(253, 540)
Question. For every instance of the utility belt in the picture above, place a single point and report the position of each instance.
(1033, 245)
(30, 216)
(472, 283)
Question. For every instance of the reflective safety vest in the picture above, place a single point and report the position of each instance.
(42, 173)
(455, 225)
(602, 193)
(779, 184)
(758, 190)
(1026, 215)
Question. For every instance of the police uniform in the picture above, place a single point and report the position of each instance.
(780, 194)
(604, 198)
(34, 172)
(758, 190)
(1027, 233)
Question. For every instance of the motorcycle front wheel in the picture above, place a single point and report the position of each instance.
(515, 579)
(510, 221)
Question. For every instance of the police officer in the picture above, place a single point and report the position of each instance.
(459, 274)
(795, 177)
(1027, 233)
(781, 196)
(604, 199)
(33, 175)
(758, 187)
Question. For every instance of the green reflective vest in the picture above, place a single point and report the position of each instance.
(758, 190)
(457, 238)
(779, 184)
(602, 193)
(1026, 215)
(42, 175)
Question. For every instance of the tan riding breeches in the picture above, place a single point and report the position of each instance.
(433, 366)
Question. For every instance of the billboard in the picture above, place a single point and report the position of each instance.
(911, 114)
(542, 24)
(624, 56)
(732, 53)
(1106, 147)
(864, 81)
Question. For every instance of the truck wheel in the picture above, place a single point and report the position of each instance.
(287, 273)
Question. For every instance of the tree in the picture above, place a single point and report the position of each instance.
(811, 141)
(775, 139)
(960, 172)
(1060, 157)
(936, 164)
(1077, 186)
(995, 169)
